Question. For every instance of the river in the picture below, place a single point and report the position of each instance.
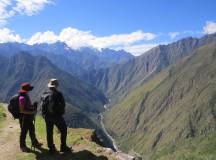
(107, 134)
(121, 155)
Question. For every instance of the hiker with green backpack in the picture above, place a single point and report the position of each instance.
(21, 108)
(53, 109)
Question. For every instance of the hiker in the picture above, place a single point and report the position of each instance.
(53, 109)
(27, 117)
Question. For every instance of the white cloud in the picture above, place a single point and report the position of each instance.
(139, 49)
(4, 13)
(6, 35)
(46, 37)
(122, 39)
(30, 7)
(75, 38)
(173, 34)
(209, 28)
(9, 8)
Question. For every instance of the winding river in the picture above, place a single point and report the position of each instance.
(107, 134)
(121, 155)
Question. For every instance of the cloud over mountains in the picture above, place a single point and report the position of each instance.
(209, 28)
(136, 42)
(76, 39)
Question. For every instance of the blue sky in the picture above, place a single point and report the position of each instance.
(133, 25)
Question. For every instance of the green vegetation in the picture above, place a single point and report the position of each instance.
(132, 100)
(81, 138)
(198, 148)
(176, 105)
(117, 81)
(2, 113)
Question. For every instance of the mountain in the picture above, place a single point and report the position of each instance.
(75, 62)
(118, 80)
(84, 102)
(38, 70)
(168, 116)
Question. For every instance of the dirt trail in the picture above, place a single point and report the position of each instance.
(9, 143)
(9, 134)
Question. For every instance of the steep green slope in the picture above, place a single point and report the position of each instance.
(177, 104)
(197, 148)
(119, 80)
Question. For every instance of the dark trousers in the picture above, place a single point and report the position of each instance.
(60, 123)
(27, 124)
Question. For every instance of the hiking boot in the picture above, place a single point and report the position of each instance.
(65, 149)
(25, 149)
(37, 145)
(53, 150)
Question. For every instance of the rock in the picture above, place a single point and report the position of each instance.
(123, 156)
(99, 150)
(109, 151)
(138, 158)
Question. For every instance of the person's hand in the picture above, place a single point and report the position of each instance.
(35, 105)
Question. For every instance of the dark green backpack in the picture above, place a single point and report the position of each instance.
(13, 106)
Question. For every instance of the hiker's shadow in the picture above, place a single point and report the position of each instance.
(44, 154)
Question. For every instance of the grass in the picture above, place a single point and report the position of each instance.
(174, 105)
(81, 137)
(2, 113)
(129, 108)
(198, 148)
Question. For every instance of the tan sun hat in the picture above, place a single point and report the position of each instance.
(53, 83)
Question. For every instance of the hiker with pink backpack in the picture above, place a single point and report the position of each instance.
(53, 109)
(21, 108)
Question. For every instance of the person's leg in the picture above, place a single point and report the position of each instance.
(32, 134)
(32, 130)
(49, 129)
(61, 125)
(24, 125)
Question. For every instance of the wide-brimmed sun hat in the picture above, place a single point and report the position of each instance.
(53, 83)
(25, 87)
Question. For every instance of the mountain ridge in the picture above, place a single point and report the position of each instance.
(31, 68)
(178, 103)
(118, 80)
(75, 62)
(83, 101)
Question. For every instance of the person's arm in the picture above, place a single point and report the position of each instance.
(44, 104)
(62, 101)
